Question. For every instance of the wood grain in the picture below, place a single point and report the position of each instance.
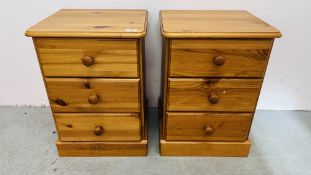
(195, 57)
(115, 95)
(143, 101)
(192, 94)
(92, 64)
(116, 126)
(214, 24)
(166, 45)
(191, 148)
(112, 58)
(225, 126)
(214, 62)
(96, 149)
(92, 23)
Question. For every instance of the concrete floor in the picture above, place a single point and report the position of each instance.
(281, 145)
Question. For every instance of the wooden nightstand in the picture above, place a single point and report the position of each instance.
(92, 65)
(213, 68)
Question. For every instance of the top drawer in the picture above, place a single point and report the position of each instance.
(76, 57)
(219, 57)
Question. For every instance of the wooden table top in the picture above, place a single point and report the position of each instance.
(92, 23)
(214, 24)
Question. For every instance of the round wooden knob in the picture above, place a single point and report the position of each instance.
(219, 60)
(98, 130)
(88, 61)
(208, 130)
(213, 98)
(93, 99)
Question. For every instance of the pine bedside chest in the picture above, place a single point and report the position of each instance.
(92, 65)
(214, 63)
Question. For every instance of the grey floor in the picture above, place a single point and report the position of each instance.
(281, 145)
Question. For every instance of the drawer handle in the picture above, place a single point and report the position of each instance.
(213, 98)
(208, 130)
(219, 60)
(98, 130)
(93, 99)
(88, 61)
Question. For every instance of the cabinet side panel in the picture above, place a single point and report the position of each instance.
(43, 76)
(142, 74)
(262, 80)
(165, 66)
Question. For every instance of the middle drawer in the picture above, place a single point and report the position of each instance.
(93, 95)
(199, 94)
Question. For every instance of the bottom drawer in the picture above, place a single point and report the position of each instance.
(98, 126)
(208, 126)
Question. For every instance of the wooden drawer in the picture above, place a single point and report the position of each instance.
(93, 95)
(208, 126)
(219, 57)
(198, 94)
(88, 57)
(98, 126)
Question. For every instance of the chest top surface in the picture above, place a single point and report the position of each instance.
(92, 23)
(214, 24)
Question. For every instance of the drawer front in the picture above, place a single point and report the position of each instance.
(98, 126)
(208, 126)
(220, 58)
(196, 94)
(93, 95)
(88, 57)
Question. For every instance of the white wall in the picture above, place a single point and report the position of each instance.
(287, 84)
